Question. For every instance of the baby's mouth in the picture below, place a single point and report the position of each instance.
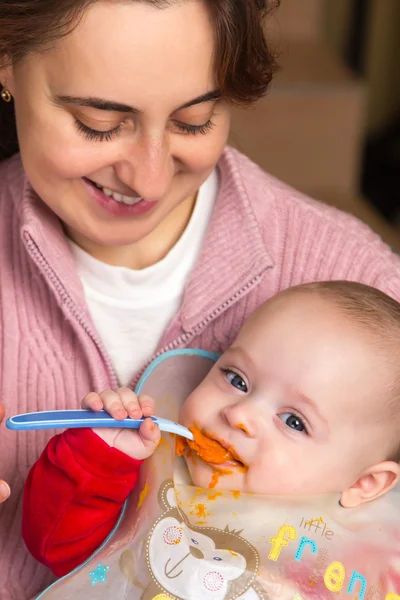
(209, 449)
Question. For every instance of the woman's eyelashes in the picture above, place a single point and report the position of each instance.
(235, 380)
(194, 129)
(95, 135)
(294, 421)
(101, 136)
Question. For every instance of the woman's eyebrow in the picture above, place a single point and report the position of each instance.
(109, 105)
(208, 97)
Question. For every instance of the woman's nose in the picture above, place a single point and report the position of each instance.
(240, 416)
(148, 169)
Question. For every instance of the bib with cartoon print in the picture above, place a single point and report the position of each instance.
(176, 541)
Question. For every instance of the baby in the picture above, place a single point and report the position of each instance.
(310, 386)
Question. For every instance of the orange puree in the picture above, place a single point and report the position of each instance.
(206, 448)
(214, 480)
(216, 476)
(180, 445)
(242, 427)
(210, 451)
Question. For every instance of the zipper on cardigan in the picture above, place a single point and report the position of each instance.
(42, 263)
(182, 339)
(186, 337)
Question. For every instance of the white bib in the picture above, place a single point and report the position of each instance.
(177, 541)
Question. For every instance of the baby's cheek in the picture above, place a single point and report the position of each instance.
(190, 409)
(265, 479)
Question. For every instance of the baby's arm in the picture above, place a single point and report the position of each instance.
(75, 491)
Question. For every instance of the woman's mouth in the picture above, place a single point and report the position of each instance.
(129, 200)
(116, 204)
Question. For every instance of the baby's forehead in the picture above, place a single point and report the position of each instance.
(305, 307)
(311, 330)
(302, 309)
(293, 298)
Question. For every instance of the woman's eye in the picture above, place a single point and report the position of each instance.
(96, 135)
(93, 134)
(194, 129)
(236, 381)
(293, 421)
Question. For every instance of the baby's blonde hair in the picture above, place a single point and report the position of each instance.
(378, 316)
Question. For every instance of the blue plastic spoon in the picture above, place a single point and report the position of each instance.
(63, 419)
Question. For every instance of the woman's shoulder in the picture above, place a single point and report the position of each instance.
(307, 240)
(276, 203)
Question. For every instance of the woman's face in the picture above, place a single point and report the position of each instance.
(127, 103)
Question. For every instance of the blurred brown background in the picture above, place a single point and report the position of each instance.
(330, 125)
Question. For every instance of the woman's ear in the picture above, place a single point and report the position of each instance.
(7, 78)
(371, 484)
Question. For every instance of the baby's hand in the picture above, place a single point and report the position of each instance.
(136, 443)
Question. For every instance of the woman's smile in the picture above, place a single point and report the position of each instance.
(116, 204)
(126, 198)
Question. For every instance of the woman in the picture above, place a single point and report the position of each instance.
(127, 227)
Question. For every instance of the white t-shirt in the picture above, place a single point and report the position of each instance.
(131, 309)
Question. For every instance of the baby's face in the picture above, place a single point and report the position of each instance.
(298, 397)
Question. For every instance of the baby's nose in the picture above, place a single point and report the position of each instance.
(240, 416)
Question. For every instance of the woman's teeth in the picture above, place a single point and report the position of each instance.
(119, 197)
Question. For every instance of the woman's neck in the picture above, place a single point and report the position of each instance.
(147, 251)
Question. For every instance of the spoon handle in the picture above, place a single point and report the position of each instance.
(63, 419)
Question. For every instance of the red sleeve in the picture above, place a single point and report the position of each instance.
(73, 497)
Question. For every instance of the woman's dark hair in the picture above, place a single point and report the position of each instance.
(245, 63)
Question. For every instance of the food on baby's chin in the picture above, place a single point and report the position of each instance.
(208, 449)
(216, 476)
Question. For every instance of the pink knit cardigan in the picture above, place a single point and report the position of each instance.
(264, 237)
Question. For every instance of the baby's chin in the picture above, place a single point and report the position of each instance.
(206, 476)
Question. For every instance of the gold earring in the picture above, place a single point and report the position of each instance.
(5, 95)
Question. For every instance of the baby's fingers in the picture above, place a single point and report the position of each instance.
(117, 403)
(150, 435)
(120, 403)
(146, 405)
(107, 400)
(92, 402)
(130, 403)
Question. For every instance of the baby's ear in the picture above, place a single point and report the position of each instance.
(374, 482)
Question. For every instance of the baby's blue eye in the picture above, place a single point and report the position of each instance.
(293, 421)
(217, 558)
(194, 542)
(236, 381)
